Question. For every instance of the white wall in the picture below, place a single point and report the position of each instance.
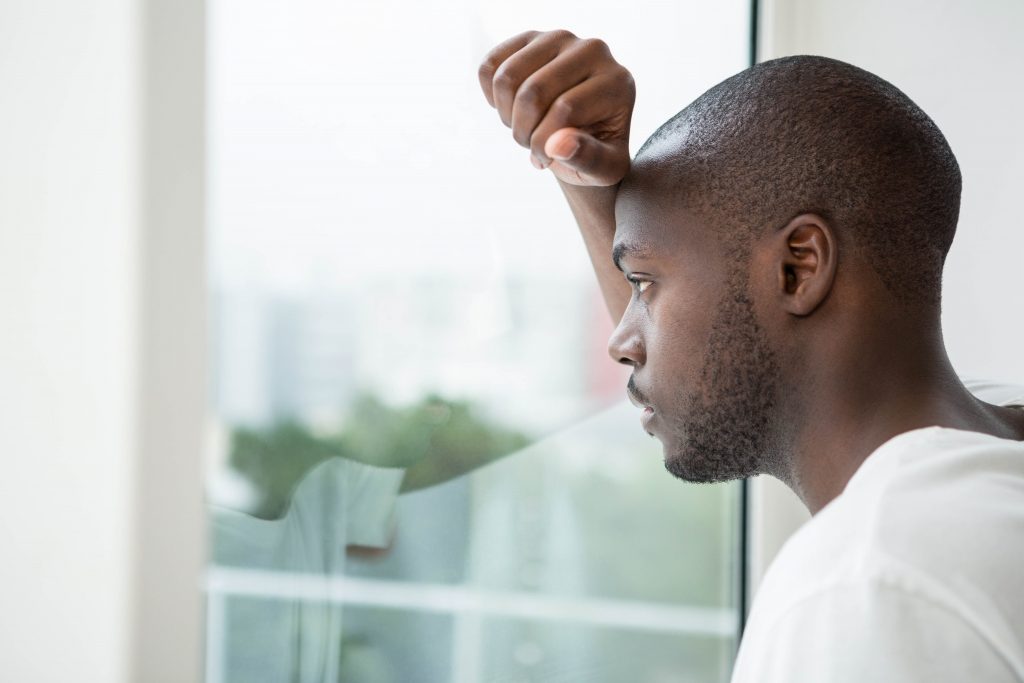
(962, 62)
(68, 236)
(81, 362)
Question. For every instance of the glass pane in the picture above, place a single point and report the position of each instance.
(422, 467)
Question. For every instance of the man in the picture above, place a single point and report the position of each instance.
(781, 243)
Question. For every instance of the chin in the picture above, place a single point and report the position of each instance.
(676, 462)
(684, 474)
(693, 467)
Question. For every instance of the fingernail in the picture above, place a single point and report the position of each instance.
(565, 153)
(536, 162)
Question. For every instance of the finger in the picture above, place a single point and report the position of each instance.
(595, 161)
(563, 144)
(582, 106)
(496, 56)
(511, 73)
(539, 90)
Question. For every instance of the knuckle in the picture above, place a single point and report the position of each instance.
(595, 45)
(562, 34)
(530, 95)
(626, 79)
(564, 108)
(486, 70)
(504, 79)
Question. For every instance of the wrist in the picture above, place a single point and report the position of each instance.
(600, 198)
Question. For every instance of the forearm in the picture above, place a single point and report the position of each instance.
(594, 210)
(578, 130)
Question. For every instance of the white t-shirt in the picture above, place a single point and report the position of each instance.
(914, 573)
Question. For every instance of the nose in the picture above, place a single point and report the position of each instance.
(625, 345)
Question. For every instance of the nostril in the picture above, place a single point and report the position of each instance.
(625, 345)
(626, 350)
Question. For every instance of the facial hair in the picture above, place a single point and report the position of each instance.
(729, 424)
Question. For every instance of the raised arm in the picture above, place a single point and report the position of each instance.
(569, 102)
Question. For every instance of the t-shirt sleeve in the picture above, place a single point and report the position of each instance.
(877, 633)
(372, 497)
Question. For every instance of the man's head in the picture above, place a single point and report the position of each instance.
(785, 209)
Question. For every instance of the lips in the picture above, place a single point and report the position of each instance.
(636, 401)
(645, 420)
(636, 397)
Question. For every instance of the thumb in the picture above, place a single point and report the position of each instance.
(595, 161)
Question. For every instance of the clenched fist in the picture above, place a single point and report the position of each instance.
(567, 100)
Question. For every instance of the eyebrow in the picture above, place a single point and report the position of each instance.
(624, 249)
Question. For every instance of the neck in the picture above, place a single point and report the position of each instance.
(868, 393)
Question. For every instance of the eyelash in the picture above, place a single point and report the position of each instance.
(639, 284)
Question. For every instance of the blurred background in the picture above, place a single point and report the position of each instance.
(302, 364)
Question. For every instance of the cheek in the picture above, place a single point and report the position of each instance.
(677, 340)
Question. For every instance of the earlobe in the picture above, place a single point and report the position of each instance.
(806, 261)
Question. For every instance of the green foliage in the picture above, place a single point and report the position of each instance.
(434, 439)
(275, 459)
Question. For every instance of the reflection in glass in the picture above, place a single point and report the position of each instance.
(557, 560)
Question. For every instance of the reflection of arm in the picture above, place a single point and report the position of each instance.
(436, 469)
(432, 441)
(457, 442)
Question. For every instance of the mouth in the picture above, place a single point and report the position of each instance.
(636, 397)
(645, 420)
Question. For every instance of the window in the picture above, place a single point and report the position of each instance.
(422, 465)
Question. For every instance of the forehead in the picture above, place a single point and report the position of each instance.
(651, 218)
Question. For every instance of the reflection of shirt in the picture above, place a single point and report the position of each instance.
(913, 573)
(338, 503)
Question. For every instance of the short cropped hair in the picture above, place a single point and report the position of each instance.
(813, 134)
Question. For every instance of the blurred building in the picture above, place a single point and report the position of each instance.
(530, 353)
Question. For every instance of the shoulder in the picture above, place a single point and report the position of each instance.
(871, 630)
(933, 498)
(927, 533)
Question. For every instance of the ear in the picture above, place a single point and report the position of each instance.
(805, 259)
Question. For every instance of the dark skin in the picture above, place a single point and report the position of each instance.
(793, 362)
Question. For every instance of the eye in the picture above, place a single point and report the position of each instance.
(639, 283)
